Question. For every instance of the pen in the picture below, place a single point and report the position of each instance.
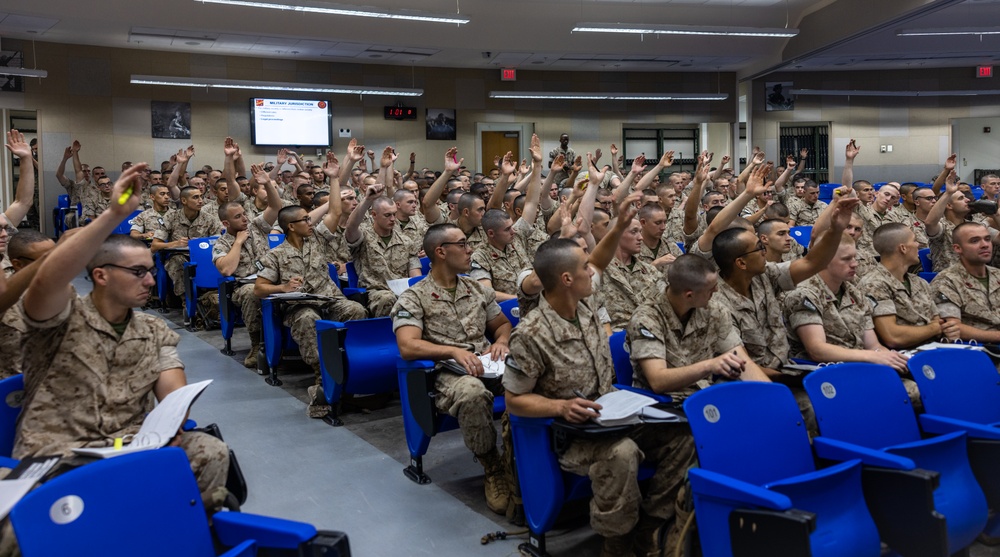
(579, 394)
(124, 197)
(119, 442)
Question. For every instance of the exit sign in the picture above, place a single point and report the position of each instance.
(984, 71)
(508, 74)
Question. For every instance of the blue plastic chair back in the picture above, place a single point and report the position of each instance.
(878, 185)
(801, 234)
(11, 396)
(112, 507)
(720, 419)
(62, 202)
(620, 357)
(864, 404)
(960, 384)
(275, 240)
(126, 225)
(352, 275)
(414, 280)
(977, 191)
(927, 276)
(925, 259)
(368, 363)
(511, 311)
(826, 192)
(425, 265)
(200, 252)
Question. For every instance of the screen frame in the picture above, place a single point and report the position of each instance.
(253, 123)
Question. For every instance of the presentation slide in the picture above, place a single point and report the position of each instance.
(281, 122)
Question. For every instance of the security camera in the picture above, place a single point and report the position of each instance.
(487, 55)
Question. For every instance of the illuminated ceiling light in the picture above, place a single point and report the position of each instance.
(23, 72)
(345, 11)
(272, 86)
(869, 93)
(601, 96)
(948, 31)
(653, 29)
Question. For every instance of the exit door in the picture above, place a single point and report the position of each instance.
(498, 143)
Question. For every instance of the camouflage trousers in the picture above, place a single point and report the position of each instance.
(250, 308)
(209, 459)
(301, 319)
(613, 467)
(470, 400)
(175, 270)
(380, 302)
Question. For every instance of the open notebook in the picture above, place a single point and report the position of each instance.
(491, 369)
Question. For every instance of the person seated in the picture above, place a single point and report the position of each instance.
(903, 309)
(411, 222)
(968, 292)
(299, 265)
(809, 210)
(241, 250)
(447, 316)
(497, 263)
(180, 226)
(559, 362)
(97, 365)
(949, 211)
(145, 225)
(627, 280)
(779, 246)
(682, 340)
(26, 249)
(655, 250)
(379, 250)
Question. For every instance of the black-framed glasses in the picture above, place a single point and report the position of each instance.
(925, 197)
(461, 243)
(760, 247)
(307, 218)
(9, 229)
(137, 272)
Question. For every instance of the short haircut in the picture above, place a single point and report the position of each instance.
(566, 191)
(711, 214)
(918, 189)
(510, 195)
(111, 250)
(453, 196)
(649, 210)
(553, 258)
(467, 201)
(479, 189)
(708, 195)
(495, 219)
(776, 211)
(962, 227)
(188, 191)
(664, 187)
(225, 207)
(320, 198)
(298, 190)
(887, 237)
(381, 202)
(17, 245)
(810, 185)
(907, 187)
(858, 185)
(688, 272)
(986, 178)
(452, 184)
(401, 194)
(519, 202)
(767, 226)
(435, 236)
(153, 188)
(287, 214)
(600, 212)
(726, 248)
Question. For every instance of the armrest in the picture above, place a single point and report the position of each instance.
(413, 365)
(938, 425)
(832, 449)
(659, 398)
(713, 484)
(233, 528)
(326, 325)
(352, 291)
(803, 361)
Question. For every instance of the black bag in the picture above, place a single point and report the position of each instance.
(235, 482)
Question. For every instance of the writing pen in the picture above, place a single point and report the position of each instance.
(579, 394)
(124, 197)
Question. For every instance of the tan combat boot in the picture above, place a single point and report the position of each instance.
(497, 483)
(251, 360)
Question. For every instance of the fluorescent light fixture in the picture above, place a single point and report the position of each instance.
(272, 86)
(599, 96)
(863, 93)
(432, 18)
(948, 31)
(23, 72)
(653, 29)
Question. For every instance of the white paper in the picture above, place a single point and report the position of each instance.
(618, 405)
(398, 286)
(11, 491)
(298, 296)
(491, 369)
(160, 425)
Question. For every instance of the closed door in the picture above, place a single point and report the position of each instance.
(498, 143)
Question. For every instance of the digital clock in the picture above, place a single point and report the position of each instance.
(400, 113)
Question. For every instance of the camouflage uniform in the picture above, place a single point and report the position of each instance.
(286, 261)
(6, 266)
(500, 266)
(85, 387)
(794, 204)
(648, 255)
(531, 236)
(176, 225)
(211, 210)
(252, 254)
(554, 358)
(475, 238)
(655, 332)
(414, 229)
(959, 294)
(903, 215)
(336, 246)
(12, 329)
(758, 318)
(623, 288)
(149, 220)
(845, 322)
(457, 319)
(796, 252)
(865, 256)
(911, 302)
(675, 225)
(94, 205)
(943, 254)
(377, 262)
(805, 214)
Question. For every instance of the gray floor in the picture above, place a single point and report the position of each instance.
(350, 478)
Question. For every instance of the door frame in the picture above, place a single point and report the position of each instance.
(525, 129)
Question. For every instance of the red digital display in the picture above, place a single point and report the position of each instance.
(508, 74)
(400, 113)
(984, 71)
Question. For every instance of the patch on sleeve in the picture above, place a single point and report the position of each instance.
(646, 333)
(403, 314)
(872, 300)
(807, 303)
(511, 363)
(476, 265)
(942, 299)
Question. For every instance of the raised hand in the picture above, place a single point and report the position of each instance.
(951, 162)
(508, 166)
(627, 209)
(951, 182)
(496, 160)
(535, 149)
(851, 150)
(68, 153)
(76, 146)
(451, 160)
(17, 145)
(332, 166)
(413, 158)
(229, 147)
(259, 174)
(667, 159)
(355, 152)
(755, 184)
(282, 157)
(790, 162)
(803, 153)
(758, 158)
(594, 175)
(639, 163)
(389, 156)
(128, 181)
(597, 156)
(374, 190)
(525, 167)
(614, 150)
(362, 164)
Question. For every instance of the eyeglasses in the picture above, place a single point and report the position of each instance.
(10, 230)
(768, 193)
(461, 243)
(138, 272)
(760, 247)
(924, 198)
(307, 218)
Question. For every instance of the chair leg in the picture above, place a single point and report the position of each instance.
(333, 418)
(535, 546)
(228, 349)
(415, 471)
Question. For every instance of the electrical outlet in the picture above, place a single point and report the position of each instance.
(345, 132)
(882, 148)
(888, 148)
